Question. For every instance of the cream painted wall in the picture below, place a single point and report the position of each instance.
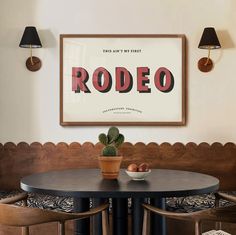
(29, 102)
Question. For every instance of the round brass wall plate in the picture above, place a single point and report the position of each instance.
(36, 64)
(205, 68)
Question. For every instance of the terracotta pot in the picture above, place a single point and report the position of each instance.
(110, 166)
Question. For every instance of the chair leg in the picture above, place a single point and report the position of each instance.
(25, 202)
(218, 225)
(217, 204)
(146, 220)
(61, 228)
(105, 225)
(25, 231)
(198, 229)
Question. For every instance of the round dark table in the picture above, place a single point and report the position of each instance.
(88, 183)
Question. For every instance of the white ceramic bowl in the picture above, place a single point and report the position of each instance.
(138, 175)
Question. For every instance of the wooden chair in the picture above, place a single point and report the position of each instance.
(22, 216)
(222, 214)
(226, 197)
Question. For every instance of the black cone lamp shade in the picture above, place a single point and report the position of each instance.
(30, 39)
(209, 41)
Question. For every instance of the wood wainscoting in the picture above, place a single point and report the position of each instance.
(24, 159)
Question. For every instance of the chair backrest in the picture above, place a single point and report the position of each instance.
(222, 214)
(225, 196)
(26, 216)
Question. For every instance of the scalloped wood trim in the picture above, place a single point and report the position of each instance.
(18, 160)
(202, 144)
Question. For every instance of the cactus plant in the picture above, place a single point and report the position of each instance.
(112, 141)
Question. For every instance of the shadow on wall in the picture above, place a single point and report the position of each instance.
(48, 39)
(225, 39)
(226, 42)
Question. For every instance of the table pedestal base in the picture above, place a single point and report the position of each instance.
(97, 219)
(120, 216)
(137, 216)
(158, 223)
(82, 227)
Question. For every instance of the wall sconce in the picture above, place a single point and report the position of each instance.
(30, 39)
(209, 41)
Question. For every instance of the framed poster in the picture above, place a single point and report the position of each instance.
(136, 80)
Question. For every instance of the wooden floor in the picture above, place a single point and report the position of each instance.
(174, 228)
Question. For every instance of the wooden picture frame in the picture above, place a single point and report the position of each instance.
(124, 80)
